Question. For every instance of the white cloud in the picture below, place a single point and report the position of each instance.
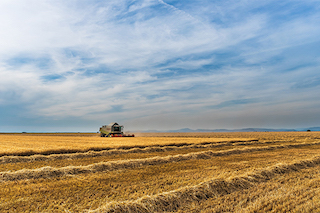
(151, 58)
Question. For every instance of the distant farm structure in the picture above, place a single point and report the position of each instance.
(113, 130)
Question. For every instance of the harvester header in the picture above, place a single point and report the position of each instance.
(113, 130)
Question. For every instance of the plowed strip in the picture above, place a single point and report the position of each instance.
(149, 149)
(49, 172)
(172, 200)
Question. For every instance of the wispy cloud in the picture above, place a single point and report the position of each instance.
(149, 62)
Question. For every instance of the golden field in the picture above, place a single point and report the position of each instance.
(160, 172)
(49, 143)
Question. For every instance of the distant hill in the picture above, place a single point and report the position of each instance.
(235, 130)
(239, 130)
(311, 129)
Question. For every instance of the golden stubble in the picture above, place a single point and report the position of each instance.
(80, 192)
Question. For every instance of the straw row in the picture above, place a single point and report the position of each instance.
(125, 147)
(171, 201)
(119, 151)
(51, 172)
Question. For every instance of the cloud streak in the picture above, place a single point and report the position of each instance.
(160, 64)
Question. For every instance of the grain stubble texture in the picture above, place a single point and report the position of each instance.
(205, 172)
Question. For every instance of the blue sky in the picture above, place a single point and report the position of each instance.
(159, 64)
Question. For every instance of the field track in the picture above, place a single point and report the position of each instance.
(49, 172)
(245, 172)
(172, 200)
(73, 154)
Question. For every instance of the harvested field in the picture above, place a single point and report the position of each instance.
(196, 172)
(31, 144)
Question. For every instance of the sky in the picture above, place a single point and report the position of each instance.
(159, 64)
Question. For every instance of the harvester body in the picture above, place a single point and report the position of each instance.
(113, 130)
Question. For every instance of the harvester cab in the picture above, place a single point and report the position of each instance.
(113, 130)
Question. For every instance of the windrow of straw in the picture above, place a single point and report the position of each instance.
(126, 147)
(50, 172)
(171, 201)
(119, 151)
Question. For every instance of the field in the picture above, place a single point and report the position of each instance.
(161, 172)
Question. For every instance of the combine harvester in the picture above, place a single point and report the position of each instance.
(113, 130)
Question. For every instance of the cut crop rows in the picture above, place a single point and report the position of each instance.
(197, 176)
(126, 150)
(49, 172)
(172, 200)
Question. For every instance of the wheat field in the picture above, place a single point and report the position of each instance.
(160, 172)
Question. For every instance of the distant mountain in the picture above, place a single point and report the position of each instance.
(234, 130)
(310, 128)
(263, 130)
(239, 130)
(183, 130)
(314, 128)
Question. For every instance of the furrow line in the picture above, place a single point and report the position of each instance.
(119, 151)
(171, 201)
(51, 172)
(71, 151)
